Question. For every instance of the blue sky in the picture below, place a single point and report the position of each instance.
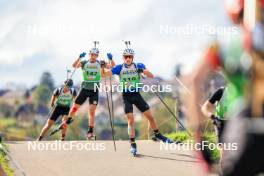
(47, 35)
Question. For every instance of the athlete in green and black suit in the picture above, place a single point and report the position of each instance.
(91, 71)
(130, 74)
(61, 101)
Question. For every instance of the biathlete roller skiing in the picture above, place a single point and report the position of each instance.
(89, 88)
(130, 73)
(242, 59)
(61, 101)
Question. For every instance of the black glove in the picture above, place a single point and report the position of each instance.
(140, 70)
(102, 63)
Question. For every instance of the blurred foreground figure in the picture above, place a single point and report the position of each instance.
(2, 172)
(242, 59)
(215, 108)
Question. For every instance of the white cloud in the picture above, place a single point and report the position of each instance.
(60, 30)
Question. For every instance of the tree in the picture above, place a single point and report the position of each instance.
(47, 80)
(41, 95)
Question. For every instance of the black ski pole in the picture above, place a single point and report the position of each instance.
(112, 103)
(110, 116)
(111, 98)
(170, 111)
(167, 107)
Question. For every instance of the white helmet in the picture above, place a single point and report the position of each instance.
(94, 51)
(128, 52)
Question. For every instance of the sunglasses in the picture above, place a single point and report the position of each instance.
(128, 56)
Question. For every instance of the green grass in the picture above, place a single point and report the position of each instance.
(7, 122)
(208, 136)
(212, 138)
(4, 161)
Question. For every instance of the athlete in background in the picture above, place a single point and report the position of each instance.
(61, 102)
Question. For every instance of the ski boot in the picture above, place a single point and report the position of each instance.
(39, 138)
(90, 134)
(162, 138)
(62, 137)
(154, 139)
(133, 149)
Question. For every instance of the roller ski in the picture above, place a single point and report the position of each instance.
(160, 137)
(91, 137)
(133, 149)
(90, 134)
(63, 125)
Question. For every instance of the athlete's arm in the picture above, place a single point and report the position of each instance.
(143, 70)
(54, 97)
(77, 63)
(52, 101)
(114, 71)
(208, 107)
(105, 72)
(147, 73)
(112, 63)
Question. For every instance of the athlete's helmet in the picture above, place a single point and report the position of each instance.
(128, 52)
(235, 10)
(68, 83)
(94, 51)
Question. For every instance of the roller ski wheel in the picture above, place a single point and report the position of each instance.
(91, 137)
(133, 149)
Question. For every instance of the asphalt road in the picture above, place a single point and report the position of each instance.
(99, 159)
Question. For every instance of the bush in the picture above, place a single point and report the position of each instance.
(179, 136)
(183, 136)
(4, 161)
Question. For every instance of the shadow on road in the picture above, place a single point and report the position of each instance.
(184, 155)
(164, 158)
